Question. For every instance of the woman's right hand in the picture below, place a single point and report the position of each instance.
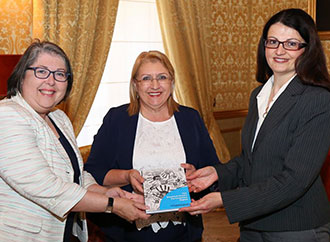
(202, 178)
(129, 209)
(136, 180)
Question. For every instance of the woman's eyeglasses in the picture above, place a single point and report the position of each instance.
(43, 73)
(161, 78)
(288, 44)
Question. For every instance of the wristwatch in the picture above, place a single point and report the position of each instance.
(110, 205)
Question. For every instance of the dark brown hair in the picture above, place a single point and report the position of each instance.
(311, 64)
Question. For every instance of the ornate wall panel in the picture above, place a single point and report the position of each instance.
(15, 26)
(326, 46)
(231, 52)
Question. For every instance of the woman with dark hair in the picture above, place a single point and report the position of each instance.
(152, 131)
(42, 182)
(276, 189)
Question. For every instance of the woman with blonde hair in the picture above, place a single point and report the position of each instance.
(152, 131)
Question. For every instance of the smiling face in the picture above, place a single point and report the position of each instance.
(153, 95)
(44, 94)
(280, 60)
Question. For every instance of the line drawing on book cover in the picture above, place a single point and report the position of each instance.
(159, 182)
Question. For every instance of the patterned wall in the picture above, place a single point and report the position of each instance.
(326, 46)
(236, 30)
(15, 26)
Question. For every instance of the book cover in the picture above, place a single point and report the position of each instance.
(165, 189)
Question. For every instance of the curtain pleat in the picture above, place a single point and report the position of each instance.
(84, 30)
(187, 36)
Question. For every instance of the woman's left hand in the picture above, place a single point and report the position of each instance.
(115, 192)
(136, 180)
(134, 196)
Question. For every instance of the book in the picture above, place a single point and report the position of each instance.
(165, 190)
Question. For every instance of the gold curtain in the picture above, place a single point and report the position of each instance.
(186, 27)
(84, 29)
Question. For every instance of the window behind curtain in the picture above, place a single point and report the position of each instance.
(137, 29)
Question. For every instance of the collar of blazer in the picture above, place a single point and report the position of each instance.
(280, 108)
(61, 121)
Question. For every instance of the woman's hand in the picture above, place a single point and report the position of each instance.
(129, 210)
(135, 197)
(115, 192)
(136, 180)
(189, 168)
(202, 179)
(204, 205)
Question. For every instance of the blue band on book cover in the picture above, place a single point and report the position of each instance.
(165, 189)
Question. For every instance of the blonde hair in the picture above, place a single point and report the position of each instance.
(150, 56)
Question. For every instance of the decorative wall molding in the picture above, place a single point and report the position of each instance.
(230, 114)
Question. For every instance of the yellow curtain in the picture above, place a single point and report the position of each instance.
(84, 29)
(186, 27)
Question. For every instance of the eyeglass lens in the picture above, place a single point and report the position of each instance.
(43, 73)
(288, 44)
(159, 77)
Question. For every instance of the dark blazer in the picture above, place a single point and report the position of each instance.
(279, 184)
(113, 149)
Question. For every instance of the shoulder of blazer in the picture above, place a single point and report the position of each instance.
(118, 114)
(256, 90)
(8, 106)
(18, 108)
(307, 93)
(186, 113)
(59, 116)
(62, 121)
(117, 123)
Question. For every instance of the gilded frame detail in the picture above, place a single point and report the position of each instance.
(324, 35)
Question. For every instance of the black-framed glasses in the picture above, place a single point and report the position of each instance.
(161, 78)
(288, 44)
(43, 73)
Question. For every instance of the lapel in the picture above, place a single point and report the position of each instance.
(185, 131)
(127, 136)
(280, 108)
(251, 123)
(49, 133)
(58, 146)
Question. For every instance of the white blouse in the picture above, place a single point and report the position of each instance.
(262, 100)
(158, 144)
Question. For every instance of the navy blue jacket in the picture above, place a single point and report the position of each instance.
(113, 149)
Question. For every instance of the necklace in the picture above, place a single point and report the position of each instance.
(270, 100)
(266, 112)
